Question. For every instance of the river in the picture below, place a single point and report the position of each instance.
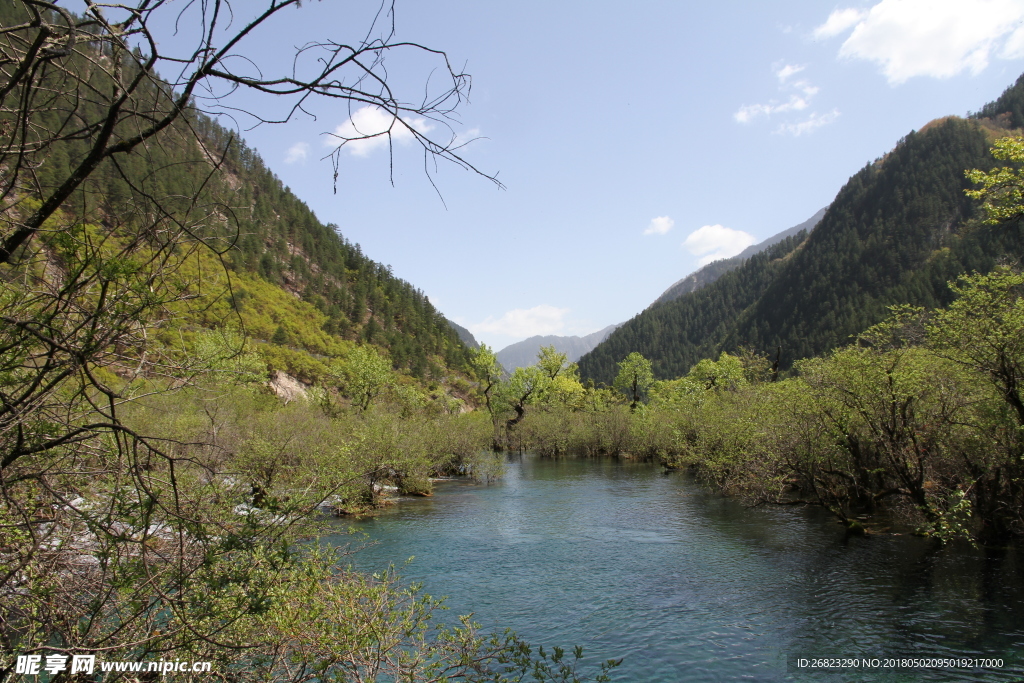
(686, 585)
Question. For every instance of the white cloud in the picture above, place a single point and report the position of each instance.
(796, 96)
(788, 70)
(806, 88)
(749, 112)
(297, 152)
(1013, 48)
(367, 129)
(813, 122)
(937, 38)
(659, 225)
(839, 21)
(714, 242)
(524, 322)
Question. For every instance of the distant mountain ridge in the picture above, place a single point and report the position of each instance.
(716, 269)
(524, 353)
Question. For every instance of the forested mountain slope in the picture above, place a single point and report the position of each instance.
(295, 282)
(677, 334)
(714, 270)
(282, 241)
(1008, 109)
(897, 232)
(465, 335)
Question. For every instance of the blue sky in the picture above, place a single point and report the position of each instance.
(634, 141)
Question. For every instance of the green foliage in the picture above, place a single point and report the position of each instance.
(280, 337)
(485, 466)
(725, 374)
(230, 355)
(488, 371)
(983, 333)
(984, 330)
(1002, 189)
(364, 375)
(552, 385)
(565, 390)
(895, 415)
(562, 387)
(900, 420)
(522, 388)
(552, 362)
(728, 373)
(634, 378)
(562, 431)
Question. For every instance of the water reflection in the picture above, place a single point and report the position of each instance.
(687, 585)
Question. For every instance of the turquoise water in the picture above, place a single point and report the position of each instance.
(688, 586)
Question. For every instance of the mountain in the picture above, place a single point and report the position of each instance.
(717, 269)
(524, 353)
(897, 232)
(807, 225)
(676, 334)
(297, 285)
(465, 335)
(350, 297)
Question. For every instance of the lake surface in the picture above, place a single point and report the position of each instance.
(686, 585)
